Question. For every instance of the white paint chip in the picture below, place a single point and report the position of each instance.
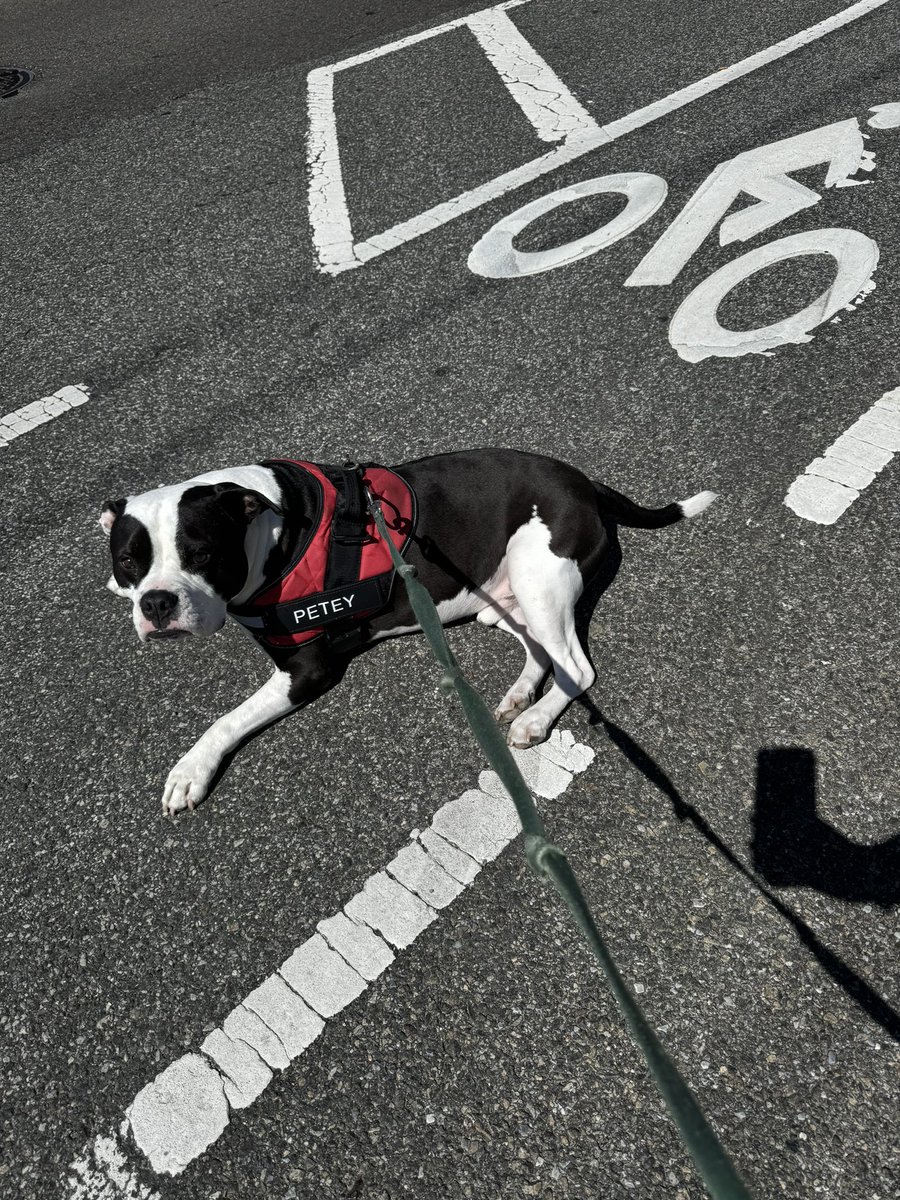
(245, 1075)
(362, 948)
(831, 483)
(878, 427)
(242, 1024)
(544, 777)
(419, 872)
(479, 824)
(390, 909)
(179, 1114)
(887, 116)
(890, 401)
(102, 1173)
(319, 974)
(461, 866)
(862, 454)
(848, 474)
(294, 1023)
(38, 412)
(817, 499)
(562, 749)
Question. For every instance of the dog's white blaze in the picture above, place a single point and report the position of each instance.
(200, 608)
(158, 513)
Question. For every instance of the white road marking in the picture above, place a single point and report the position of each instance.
(101, 1172)
(695, 332)
(38, 412)
(542, 96)
(332, 231)
(831, 483)
(887, 116)
(765, 174)
(181, 1112)
(495, 257)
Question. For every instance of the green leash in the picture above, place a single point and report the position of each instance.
(548, 861)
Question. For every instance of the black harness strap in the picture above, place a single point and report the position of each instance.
(348, 535)
(348, 528)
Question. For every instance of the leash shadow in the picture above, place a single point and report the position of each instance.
(776, 778)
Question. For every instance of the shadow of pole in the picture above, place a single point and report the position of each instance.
(844, 976)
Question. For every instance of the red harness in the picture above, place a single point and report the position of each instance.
(342, 572)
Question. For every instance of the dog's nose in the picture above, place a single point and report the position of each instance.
(159, 606)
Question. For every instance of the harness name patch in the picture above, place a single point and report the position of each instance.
(324, 609)
(339, 604)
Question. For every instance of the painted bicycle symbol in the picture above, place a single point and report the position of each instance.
(764, 173)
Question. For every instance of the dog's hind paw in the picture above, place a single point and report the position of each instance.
(529, 729)
(511, 705)
(187, 784)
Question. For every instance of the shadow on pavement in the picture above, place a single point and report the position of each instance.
(775, 779)
(793, 847)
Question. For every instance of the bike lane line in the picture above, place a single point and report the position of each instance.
(336, 249)
(831, 483)
(187, 1107)
(38, 412)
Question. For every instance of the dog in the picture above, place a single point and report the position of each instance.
(289, 549)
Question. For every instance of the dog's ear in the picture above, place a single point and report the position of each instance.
(111, 510)
(243, 503)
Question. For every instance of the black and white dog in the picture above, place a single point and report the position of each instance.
(507, 537)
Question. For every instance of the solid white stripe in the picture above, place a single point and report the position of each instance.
(542, 96)
(711, 83)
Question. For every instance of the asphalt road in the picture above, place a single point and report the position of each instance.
(738, 832)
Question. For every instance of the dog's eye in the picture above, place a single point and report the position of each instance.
(126, 562)
(200, 558)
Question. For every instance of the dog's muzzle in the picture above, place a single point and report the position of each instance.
(159, 607)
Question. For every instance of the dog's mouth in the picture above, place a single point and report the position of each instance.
(167, 635)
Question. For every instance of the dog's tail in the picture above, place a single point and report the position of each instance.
(623, 511)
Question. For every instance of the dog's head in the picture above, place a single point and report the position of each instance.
(179, 554)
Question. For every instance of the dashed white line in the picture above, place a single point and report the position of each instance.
(180, 1113)
(831, 483)
(38, 412)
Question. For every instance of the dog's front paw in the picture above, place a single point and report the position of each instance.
(187, 784)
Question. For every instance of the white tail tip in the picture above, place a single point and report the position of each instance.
(697, 504)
